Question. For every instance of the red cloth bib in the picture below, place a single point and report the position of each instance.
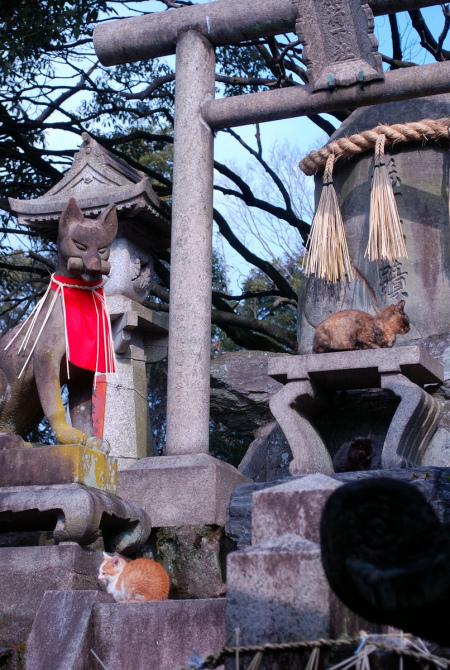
(88, 327)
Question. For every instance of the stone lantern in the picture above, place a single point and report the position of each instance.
(98, 178)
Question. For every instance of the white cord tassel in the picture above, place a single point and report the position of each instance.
(109, 352)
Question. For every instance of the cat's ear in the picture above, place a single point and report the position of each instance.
(109, 221)
(399, 307)
(105, 555)
(70, 214)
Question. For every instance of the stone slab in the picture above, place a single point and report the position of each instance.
(58, 465)
(61, 636)
(74, 512)
(432, 482)
(358, 369)
(191, 489)
(277, 592)
(159, 635)
(293, 507)
(28, 572)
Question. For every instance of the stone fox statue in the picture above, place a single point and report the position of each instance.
(65, 340)
(353, 329)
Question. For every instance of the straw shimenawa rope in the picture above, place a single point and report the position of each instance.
(327, 256)
(414, 131)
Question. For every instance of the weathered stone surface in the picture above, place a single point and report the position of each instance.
(293, 507)
(241, 388)
(311, 379)
(339, 45)
(433, 482)
(131, 270)
(277, 591)
(181, 490)
(268, 456)
(61, 635)
(28, 572)
(192, 557)
(68, 464)
(97, 178)
(160, 635)
(75, 513)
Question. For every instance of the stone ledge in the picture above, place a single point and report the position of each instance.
(74, 512)
(185, 490)
(62, 464)
(358, 369)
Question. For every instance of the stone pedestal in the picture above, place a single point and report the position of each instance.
(140, 337)
(276, 588)
(185, 490)
(310, 379)
(58, 465)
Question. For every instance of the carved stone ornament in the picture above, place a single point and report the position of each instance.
(96, 179)
(340, 48)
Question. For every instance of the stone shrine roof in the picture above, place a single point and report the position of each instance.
(96, 179)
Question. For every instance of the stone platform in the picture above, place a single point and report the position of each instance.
(310, 379)
(143, 636)
(185, 490)
(66, 464)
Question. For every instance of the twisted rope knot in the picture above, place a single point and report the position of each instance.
(346, 147)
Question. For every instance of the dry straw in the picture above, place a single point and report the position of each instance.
(327, 253)
(386, 241)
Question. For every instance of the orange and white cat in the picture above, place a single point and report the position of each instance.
(133, 581)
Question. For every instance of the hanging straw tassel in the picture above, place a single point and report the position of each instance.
(386, 241)
(327, 252)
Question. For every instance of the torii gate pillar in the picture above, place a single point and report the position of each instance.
(191, 249)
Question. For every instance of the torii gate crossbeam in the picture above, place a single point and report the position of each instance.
(192, 33)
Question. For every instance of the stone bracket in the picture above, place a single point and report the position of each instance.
(309, 451)
(75, 513)
(413, 424)
(308, 378)
(340, 48)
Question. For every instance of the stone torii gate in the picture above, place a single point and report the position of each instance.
(344, 70)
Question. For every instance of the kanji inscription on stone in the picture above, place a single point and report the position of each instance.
(393, 280)
(339, 45)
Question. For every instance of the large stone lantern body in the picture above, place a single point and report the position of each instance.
(419, 173)
(420, 177)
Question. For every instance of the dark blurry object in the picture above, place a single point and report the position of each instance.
(354, 455)
(387, 556)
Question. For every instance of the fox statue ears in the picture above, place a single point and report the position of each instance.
(399, 307)
(72, 214)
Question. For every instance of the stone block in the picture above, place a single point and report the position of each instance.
(191, 489)
(61, 635)
(293, 507)
(193, 557)
(158, 635)
(74, 513)
(28, 572)
(277, 592)
(66, 464)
